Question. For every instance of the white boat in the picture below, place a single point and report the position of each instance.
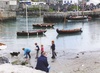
(3, 46)
(77, 16)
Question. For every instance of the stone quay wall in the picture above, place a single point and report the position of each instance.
(60, 16)
(7, 15)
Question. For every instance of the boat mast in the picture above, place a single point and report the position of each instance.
(27, 21)
(77, 6)
(64, 21)
(83, 7)
(39, 11)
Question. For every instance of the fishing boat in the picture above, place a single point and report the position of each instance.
(30, 33)
(3, 46)
(44, 25)
(71, 31)
(76, 17)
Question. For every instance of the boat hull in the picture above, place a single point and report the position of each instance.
(77, 18)
(23, 33)
(73, 31)
(45, 25)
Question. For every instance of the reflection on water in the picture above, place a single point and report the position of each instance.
(76, 21)
(34, 36)
(89, 39)
(67, 35)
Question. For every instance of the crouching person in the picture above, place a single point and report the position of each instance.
(27, 53)
(42, 63)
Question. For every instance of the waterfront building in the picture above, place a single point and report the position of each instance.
(67, 1)
(6, 5)
(38, 3)
(7, 9)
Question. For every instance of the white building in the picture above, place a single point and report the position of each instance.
(76, 1)
(70, 1)
(32, 3)
(94, 2)
(38, 3)
(8, 4)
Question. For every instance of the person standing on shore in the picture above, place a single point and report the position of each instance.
(37, 50)
(27, 52)
(53, 50)
(42, 63)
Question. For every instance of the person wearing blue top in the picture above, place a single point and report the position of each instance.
(27, 52)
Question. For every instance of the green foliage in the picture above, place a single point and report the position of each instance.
(33, 9)
(51, 10)
(36, 9)
(73, 7)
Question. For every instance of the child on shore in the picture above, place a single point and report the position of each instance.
(53, 49)
(42, 49)
(37, 50)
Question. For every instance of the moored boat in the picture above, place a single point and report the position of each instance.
(3, 46)
(31, 33)
(44, 25)
(72, 31)
(77, 18)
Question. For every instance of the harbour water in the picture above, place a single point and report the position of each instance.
(88, 40)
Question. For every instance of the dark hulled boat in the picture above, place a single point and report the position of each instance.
(31, 33)
(76, 17)
(72, 31)
(44, 25)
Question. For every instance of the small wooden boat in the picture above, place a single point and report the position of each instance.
(31, 33)
(76, 17)
(3, 46)
(72, 31)
(44, 25)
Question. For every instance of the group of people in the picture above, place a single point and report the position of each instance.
(42, 63)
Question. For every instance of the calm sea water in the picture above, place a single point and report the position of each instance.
(88, 40)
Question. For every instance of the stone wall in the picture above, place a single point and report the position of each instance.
(7, 15)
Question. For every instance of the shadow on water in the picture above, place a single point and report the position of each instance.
(34, 36)
(64, 35)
